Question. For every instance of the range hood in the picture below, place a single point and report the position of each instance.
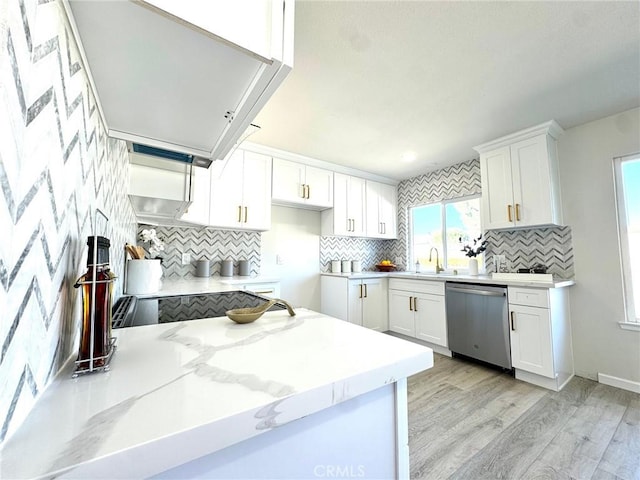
(160, 189)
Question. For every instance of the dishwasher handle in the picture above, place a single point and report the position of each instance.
(488, 293)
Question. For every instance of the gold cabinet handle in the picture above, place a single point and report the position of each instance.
(365, 290)
(308, 192)
(240, 213)
(411, 303)
(509, 213)
(415, 304)
(513, 326)
(246, 214)
(517, 212)
(360, 290)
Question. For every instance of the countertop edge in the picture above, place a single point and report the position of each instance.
(164, 453)
(486, 279)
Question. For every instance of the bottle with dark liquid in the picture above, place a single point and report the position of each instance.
(97, 287)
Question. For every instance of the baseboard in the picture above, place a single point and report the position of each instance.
(619, 383)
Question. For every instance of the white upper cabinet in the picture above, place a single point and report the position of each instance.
(520, 180)
(381, 201)
(241, 194)
(186, 76)
(301, 185)
(198, 211)
(347, 217)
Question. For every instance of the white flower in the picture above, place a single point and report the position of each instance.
(155, 244)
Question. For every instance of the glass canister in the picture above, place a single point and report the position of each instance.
(97, 293)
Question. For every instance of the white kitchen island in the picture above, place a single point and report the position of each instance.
(288, 397)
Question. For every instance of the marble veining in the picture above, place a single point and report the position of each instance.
(178, 391)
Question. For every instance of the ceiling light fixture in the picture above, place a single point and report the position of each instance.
(408, 156)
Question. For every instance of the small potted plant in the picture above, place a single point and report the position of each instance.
(472, 251)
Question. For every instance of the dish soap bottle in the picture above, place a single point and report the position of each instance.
(417, 266)
(97, 289)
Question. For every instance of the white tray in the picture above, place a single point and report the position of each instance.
(524, 277)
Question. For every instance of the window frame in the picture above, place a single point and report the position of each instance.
(632, 311)
(443, 214)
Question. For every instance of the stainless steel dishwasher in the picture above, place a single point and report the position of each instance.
(478, 322)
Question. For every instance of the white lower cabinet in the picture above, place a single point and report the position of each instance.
(360, 301)
(417, 309)
(540, 336)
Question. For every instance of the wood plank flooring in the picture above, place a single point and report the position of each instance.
(467, 421)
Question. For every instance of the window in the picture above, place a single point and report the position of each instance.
(440, 225)
(627, 176)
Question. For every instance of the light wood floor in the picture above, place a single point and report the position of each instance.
(468, 421)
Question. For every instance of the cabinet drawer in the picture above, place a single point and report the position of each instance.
(532, 297)
(417, 286)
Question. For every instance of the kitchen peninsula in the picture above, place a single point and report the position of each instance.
(285, 396)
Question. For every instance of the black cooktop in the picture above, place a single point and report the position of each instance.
(151, 311)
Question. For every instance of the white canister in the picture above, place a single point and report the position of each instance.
(346, 266)
(336, 266)
(143, 276)
(356, 266)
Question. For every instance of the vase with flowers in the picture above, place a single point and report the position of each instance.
(472, 251)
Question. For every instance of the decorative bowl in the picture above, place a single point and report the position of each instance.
(385, 268)
(249, 314)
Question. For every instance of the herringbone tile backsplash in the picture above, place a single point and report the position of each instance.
(550, 246)
(368, 250)
(458, 180)
(205, 243)
(57, 167)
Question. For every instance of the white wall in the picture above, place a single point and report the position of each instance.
(295, 236)
(586, 157)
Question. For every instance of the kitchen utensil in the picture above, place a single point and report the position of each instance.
(132, 250)
(250, 314)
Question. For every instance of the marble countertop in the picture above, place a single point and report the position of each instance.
(176, 392)
(195, 285)
(448, 277)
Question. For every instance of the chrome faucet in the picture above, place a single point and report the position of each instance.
(438, 267)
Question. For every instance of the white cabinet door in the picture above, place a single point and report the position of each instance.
(388, 201)
(256, 191)
(380, 210)
(319, 187)
(356, 296)
(288, 181)
(401, 319)
(430, 318)
(520, 183)
(355, 206)
(241, 195)
(531, 348)
(226, 193)
(531, 182)
(374, 304)
(198, 211)
(340, 218)
(497, 189)
(303, 185)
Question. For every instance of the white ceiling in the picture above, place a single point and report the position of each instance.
(373, 79)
